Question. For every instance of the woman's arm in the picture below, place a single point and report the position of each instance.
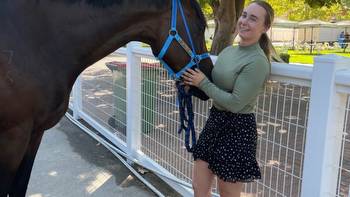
(247, 86)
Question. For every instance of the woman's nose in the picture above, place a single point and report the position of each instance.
(241, 22)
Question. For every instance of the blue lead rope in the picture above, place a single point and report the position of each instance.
(186, 120)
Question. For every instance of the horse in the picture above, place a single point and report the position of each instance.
(46, 44)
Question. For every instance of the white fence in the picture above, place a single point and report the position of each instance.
(302, 116)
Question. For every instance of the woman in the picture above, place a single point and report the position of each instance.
(227, 145)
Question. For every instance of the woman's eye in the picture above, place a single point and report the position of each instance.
(254, 19)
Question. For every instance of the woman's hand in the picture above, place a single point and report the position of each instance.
(193, 77)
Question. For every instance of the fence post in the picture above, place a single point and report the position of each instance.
(133, 97)
(324, 130)
(77, 98)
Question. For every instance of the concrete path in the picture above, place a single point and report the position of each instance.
(72, 164)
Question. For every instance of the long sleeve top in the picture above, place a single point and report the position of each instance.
(239, 75)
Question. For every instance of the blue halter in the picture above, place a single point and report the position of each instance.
(184, 99)
(173, 34)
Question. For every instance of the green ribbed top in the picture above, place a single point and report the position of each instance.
(239, 75)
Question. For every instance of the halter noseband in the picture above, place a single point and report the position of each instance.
(173, 34)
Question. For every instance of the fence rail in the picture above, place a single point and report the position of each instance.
(302, 117)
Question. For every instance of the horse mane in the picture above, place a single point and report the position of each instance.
(106, 3)
(95, 3)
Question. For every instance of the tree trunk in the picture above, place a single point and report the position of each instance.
(226, 14)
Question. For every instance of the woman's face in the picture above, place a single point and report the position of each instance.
(251, 24)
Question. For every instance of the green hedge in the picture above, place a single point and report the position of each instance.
(285, 57)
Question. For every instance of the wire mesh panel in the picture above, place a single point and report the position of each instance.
(160, 138)
(344, 166)
(104, 94)
(281, 115)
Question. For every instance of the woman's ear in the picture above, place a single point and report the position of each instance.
(266, 29)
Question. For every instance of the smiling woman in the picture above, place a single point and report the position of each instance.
(227, 145)
(53, 41)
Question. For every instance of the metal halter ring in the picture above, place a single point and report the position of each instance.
(172, 32)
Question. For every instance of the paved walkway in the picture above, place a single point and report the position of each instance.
(72, 164)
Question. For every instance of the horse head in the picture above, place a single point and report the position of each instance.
(179, 42)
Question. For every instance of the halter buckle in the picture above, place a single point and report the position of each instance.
(196, 60)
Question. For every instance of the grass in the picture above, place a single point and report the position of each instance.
(305, 57)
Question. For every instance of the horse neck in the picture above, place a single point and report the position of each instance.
(75, 34)
(98, 32)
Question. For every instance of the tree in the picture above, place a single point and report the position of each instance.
(346, 3)
(298, 10)
(225, 14)
(320, 3)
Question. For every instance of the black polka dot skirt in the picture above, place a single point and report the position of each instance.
(228, 144)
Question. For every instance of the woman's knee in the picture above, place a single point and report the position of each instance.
(230, 189)
(201, 190)
(202, 186)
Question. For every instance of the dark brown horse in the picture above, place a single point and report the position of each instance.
(46, 44)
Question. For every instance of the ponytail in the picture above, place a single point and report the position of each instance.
(265, 43)
(270, 52)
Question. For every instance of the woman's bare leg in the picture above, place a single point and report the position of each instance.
(202, 179)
